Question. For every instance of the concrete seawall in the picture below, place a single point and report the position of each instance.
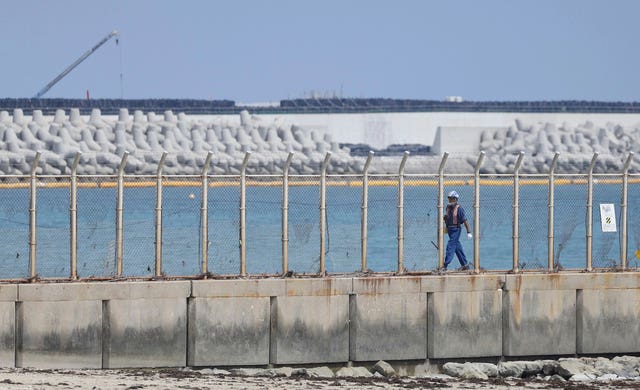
(317, 320)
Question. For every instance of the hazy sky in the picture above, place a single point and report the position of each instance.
(267, 50)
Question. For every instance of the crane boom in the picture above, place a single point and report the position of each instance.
(76, 63)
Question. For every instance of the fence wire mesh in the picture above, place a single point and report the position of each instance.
(570, 205)
(533, 222)
(52, 228)
(264, 225)
(382, 252)
(224, 224)
(14, 229)
(420, 223)
(304, 227)
(344, 200)
(138, 215)
(496, 227)
(633, 222)
(181, 222)
(96, 226)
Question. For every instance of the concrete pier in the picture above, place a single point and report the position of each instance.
(287, 321)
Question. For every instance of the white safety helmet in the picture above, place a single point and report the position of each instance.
(453, 194)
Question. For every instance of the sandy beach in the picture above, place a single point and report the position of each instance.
(23, 378)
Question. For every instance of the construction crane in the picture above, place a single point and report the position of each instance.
(53, 82)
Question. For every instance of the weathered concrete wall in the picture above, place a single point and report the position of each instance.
(311, 323)
(146, 333)
(229, 331)
(230, 321)
(8, 297)
(58, 326)
(148, 327)
(465, 324)
(393, 325)
(558, 314)
(388, 317)
(107, 325)
(609, 321)
(61, 334)
(317, 320)
(539, 322)
(310, 329)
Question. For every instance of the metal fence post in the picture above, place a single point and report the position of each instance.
(441, 210)
(285, 214)
(73, 219)
(550, 249)
(323, 211)
(204, 216)
(32, 217)
(158, 269)
(624, 212)
(516, 214)
(119, 207)
(243, 215)
(401, 212)
(476, 214)
(589, 215)
(365, 213)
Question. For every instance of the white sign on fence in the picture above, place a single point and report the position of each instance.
(608, 217)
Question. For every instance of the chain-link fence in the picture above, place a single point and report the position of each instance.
(633, 204)
(96, 213)
(496, 222)
(14, 229)
(533, 222)
(181, 224)
(570, 205)
(52, 224)
(420, 223)
(182, 244)
(223, 225)
(138, 216)
(304, 226)
(343, 220)
(264, 226)
(382, 248)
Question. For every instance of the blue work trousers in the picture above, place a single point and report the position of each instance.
(454, 246)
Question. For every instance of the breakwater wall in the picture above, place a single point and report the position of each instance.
(288, 321)
(103, 139)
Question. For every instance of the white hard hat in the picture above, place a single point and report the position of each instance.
(453, 194)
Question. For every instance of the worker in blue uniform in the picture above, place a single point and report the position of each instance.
(454, 218)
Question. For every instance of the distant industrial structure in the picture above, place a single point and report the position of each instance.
(316, 105)
(77, 62)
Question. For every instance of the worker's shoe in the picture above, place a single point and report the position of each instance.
(464, 268)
